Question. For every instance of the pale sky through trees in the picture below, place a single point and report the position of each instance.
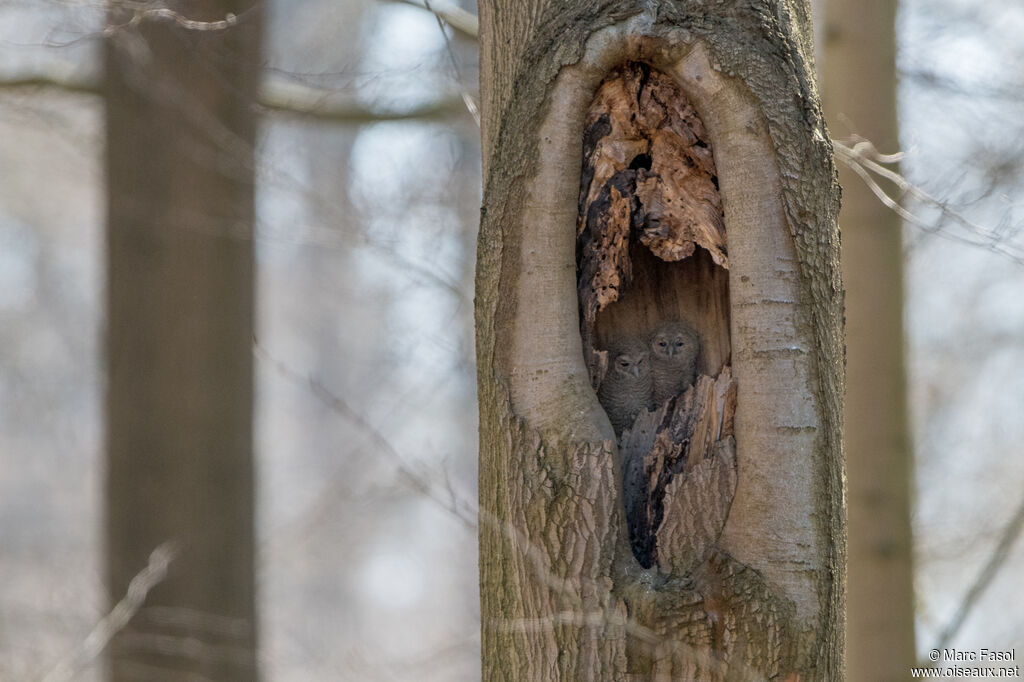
(366, 417)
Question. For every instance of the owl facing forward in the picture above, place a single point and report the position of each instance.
(628, 384)
(675, 349)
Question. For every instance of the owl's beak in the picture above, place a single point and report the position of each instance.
(636, 371)
(671, 350)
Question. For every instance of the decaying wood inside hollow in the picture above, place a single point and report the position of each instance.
(648, 180)
(651, 249)
(694, 289)
(679, 475)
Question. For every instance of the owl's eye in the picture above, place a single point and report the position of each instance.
(679, 344)
(623, 363)
(662, 344)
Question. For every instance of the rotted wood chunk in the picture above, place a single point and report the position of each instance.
(679, 475)
(648, 177)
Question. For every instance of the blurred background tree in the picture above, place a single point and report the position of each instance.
(857, 70)
(366, 167)
(180, 134)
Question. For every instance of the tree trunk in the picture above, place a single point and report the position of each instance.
(181, 129)
(644, 167)
(859, 95)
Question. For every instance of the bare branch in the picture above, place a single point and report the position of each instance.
(276, 95)
(115, 621)
(461, 508)
(286, 97)
(459, 19)
(995, 561)
(864, 160)
(52, 81)
(467, 511)
(471, 105)
(143, 13)
(974, 89)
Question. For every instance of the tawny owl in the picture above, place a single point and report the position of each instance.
(675, 349)
(628, 384)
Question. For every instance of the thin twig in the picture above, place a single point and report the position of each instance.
(460, 507)
(459, 19)
(93, 645)
(864, 160)
(995, 561)
(142, 14)
(280, 96)
(286, 97)
(471, 105)
(568, 587)
(276, 94)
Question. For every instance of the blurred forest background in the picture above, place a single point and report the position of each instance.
(367, 202)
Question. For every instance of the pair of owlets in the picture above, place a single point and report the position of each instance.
(642, 374)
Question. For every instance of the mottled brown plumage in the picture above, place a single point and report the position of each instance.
(628, 383)
(675, 350)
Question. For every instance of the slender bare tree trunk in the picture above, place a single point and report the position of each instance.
(181, 128)
(740, 569)
(859, 95)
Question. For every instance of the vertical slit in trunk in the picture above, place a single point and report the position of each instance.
(653, 291)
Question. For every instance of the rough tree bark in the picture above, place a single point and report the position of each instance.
(181, 128)
(745, 578)
(858, 74)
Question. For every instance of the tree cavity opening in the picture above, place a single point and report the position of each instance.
(652, 281)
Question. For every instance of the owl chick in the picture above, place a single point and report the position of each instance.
(628, 385)
(675, 348)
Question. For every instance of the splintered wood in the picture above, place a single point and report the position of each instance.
(679, 475)
(648, 178)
